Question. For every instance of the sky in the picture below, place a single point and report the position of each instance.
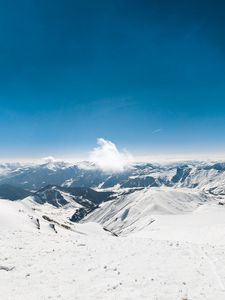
(147, 75)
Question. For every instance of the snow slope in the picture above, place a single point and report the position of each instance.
(87, 262)
(12, 216)
(130, 212)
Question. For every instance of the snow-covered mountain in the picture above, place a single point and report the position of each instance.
(83, 190)
(192, 174)
(133, 211)
(76, 232)
(79, 201)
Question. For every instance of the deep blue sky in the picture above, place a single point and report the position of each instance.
(148, 75)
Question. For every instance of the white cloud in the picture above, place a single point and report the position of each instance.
(49, 159)
(108, 158)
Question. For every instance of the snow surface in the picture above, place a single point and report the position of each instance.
(129, 211)
(180, 255)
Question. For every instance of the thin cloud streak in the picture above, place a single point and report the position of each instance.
(157, 130)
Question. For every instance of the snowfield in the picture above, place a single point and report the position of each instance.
(171, 246)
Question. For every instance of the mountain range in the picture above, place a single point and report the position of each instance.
(85, 189)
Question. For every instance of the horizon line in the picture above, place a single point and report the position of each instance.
(156, 158)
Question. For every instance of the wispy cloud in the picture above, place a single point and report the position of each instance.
(108, 158)
(157, 130)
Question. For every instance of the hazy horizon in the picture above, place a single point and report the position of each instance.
(133, 157)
